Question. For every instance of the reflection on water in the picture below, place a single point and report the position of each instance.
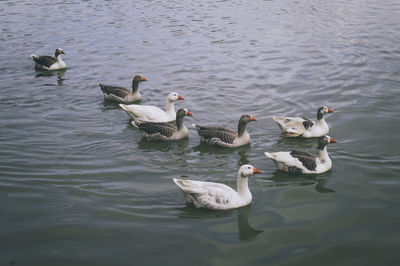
(145, 145)
(243, 157)
(59, 73)
(205, 148)
(320, 181)
(245, 231)
(66, 147)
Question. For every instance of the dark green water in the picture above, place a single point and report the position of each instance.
(79, 187)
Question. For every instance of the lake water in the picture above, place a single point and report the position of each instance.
(78, 186)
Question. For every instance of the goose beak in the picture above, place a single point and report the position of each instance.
(180, 98)
(333, 141)
(62, 51)
(189, 113)
(144, 79)
(330, 110)
(252, 118)
(256, 171)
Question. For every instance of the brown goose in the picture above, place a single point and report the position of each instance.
(153, 131)
(48, 62)
(226, 137)
(123, 95)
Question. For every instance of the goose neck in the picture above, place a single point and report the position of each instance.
(135, 86)
(170, 107)
(242, 185)
(179, 122)
(241, 128)
(323, 153)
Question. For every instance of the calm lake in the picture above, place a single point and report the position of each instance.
(78, 186)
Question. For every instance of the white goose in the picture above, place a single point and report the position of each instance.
(302, 162)
(46, 62)
(304, 127)
(216, 196)
(146, 113)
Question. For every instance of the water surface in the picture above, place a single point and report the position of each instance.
(78, 186)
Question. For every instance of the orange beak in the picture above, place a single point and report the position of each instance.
(253, 118)
(180, 97)
(144, 79)
(330, 110)
(333, 141)
(257, 171)
(189, 113)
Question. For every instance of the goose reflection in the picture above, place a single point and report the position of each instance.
(320, 181)
(243, 157)
(204, 148)
(59, 73)
(166, 146)
(245, 231)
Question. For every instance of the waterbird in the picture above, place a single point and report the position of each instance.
(226, 137)
(302, 162)
(304, 127)
(123, 95)
(217, 196)
(159, 131)
(147, 113)
(45, 62)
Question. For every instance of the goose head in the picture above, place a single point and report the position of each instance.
(139, 78)
(173, 97)
(183, 112)
(135, 82)
(247, 170)
(247, 118)
(323, 110)
(59, 51)
(325, 140)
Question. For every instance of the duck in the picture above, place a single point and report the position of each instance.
(123, 95)
(226, 137)
(217, 196)
(156, 131)
(302, 162)
(304, 127)
(45, 62)
(146, 113)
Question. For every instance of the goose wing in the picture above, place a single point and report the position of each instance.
(209, 132)
(207, 194)
(146, 113)
(44, 60)
(118, 91)
(293, 125)
(308, 160)
(164, 129)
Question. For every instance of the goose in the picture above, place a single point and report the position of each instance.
(226, 137)
(145, 113)
(153, 131)
(217, 196)
(304, 127)
(123, 95)
(302, 162)
(46, 62)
